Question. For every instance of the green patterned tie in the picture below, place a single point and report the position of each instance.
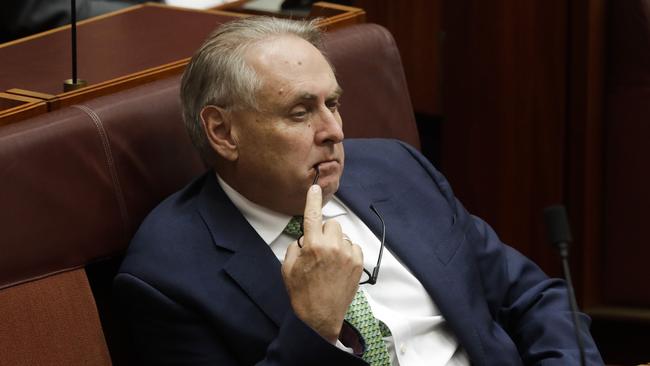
(359, 315)
(294, 227)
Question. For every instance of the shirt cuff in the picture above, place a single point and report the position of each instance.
(350, 340)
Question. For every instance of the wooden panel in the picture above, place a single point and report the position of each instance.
(505, 106)
(118, 84)
(147, 42)
(9, 101)
(31, 94)
(524, 101)
(336, 16)
(109, 47)
(584, 171)
(627, 156)
(18, 107)
(417, 28)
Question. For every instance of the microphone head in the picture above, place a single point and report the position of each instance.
(557, 224)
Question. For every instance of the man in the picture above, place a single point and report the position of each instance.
(215, 274)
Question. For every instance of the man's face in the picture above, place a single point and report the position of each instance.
(296, 128)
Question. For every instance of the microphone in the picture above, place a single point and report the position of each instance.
(559, 234)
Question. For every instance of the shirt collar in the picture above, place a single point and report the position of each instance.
(267, 223)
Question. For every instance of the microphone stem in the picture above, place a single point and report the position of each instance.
(73, 31)
(572, 299)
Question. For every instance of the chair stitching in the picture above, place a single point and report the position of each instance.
(117, 187)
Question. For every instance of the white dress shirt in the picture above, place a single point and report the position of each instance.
(420, 334)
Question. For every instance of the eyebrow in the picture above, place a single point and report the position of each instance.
(337, 92)
(309, 96)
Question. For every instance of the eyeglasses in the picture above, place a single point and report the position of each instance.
(366, 276)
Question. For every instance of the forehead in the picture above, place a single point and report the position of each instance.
(289, 65)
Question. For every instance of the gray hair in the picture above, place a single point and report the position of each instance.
(219, 75)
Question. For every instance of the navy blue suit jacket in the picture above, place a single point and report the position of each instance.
(199, 286)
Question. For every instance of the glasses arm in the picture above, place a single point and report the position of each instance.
(375, 272)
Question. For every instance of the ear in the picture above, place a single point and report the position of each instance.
(217, 126)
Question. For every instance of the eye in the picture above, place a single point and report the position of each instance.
(299, 113)
(333, 105)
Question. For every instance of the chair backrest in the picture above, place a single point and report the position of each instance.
(375, 100)
(76, 183)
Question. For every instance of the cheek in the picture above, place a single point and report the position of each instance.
(283, 154)
(287, 147)
(297, 142)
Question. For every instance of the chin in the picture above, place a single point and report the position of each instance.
(327, 196)
(329, 189)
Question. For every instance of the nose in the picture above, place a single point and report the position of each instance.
(329, 128)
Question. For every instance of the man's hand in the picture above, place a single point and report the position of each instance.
(322, 277)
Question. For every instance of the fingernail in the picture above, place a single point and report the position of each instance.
(315, 188)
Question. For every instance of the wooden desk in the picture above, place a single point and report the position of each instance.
(16, 107)
(333, 15)
(109, 46)
(116, 51)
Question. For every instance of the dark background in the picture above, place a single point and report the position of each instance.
(527, 103)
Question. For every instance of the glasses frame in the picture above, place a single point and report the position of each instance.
(372, 277)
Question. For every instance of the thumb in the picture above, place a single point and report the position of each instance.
(293, 251)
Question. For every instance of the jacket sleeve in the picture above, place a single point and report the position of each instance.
(165, 332)
(531, 307)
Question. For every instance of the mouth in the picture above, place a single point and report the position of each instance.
(326, 174)
(325, 166)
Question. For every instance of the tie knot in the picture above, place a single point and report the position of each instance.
(294, 227)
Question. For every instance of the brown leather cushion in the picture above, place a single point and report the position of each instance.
(75, 184)
(57, 195)
(51, 321)
(151, 151)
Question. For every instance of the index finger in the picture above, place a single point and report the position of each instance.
(313, 217)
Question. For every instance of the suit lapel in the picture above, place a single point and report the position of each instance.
(253, 266)
(418, 255)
